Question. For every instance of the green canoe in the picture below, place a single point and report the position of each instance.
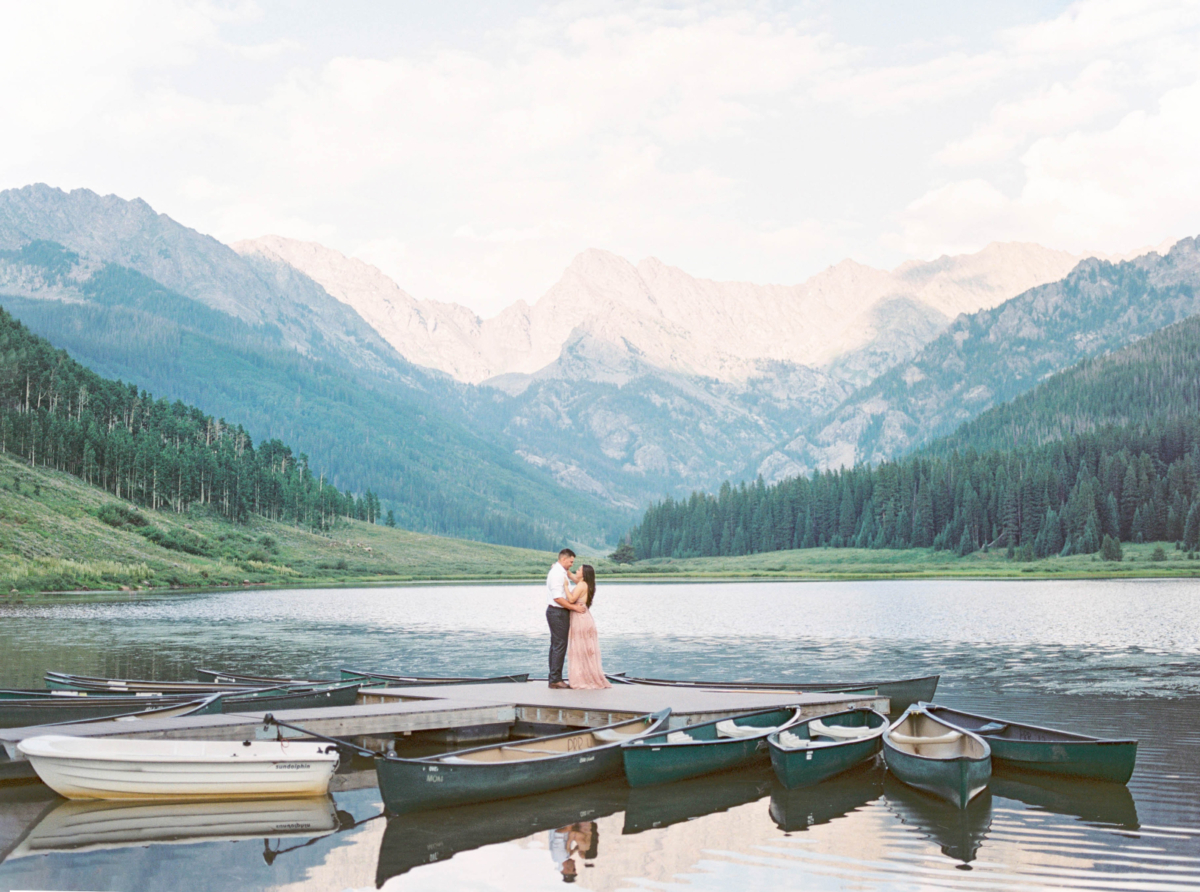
(336, 694)
(63, 681)
(63, 710)
(505, 770)
(703, 749)
(1046, 750)
(901, 692)
(400, 681)
(926, 753)
(814, 749)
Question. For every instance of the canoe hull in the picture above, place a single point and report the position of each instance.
(412, 785)
(957, 781)
(344, 695)
(804, 767)
(901, 693)
(656, 760)
(1048, 750)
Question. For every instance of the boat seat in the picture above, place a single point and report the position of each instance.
(680, 737)
(992, 728)
(728, 728)
(839, 732)
(948, 737)
(790, 741)
(611, 735)
(531, 749)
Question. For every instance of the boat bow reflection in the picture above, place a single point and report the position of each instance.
(958, 832)
(650, 808)
(412, 840)
(93, 825)
(804, 807)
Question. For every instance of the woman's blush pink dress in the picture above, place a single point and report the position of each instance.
(583, 654)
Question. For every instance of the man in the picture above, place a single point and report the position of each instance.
(558, 613)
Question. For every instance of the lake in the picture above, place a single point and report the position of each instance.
(1119, 659)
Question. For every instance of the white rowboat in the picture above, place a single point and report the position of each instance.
(88, 768)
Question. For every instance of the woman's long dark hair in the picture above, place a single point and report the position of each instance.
(589, 576)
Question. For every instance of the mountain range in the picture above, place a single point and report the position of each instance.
(558, 419)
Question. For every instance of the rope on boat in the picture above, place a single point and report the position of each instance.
(269, 719)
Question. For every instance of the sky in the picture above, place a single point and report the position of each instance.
(471, 150)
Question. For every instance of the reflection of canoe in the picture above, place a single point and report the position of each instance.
(1092, 801)
(930, 755)
(817, 748)
(429, 837)
(804, 807)
(116, 768)
(958, 832)
(401, 681)
(336, 694)
(902, 692)
(1047, 750)
(517, 768)
(650, 809)
(87, 826)
(703, 748)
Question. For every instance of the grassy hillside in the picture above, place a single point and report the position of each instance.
(52, 539)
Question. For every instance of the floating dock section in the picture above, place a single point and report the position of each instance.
(456, 712)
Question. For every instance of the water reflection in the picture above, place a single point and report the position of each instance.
(660, 806)
(804, 807)
(1095, 802)
(958, 832)
(411, 841)
(88, 826)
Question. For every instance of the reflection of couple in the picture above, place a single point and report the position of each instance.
(572, 629)
(582, 839)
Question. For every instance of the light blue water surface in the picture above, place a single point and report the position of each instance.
(1115, 658)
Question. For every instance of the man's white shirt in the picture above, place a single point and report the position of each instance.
(554, 583)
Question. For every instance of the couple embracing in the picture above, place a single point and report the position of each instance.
(572, 629)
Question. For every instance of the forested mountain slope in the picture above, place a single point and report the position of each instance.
(1153, 380)
(360, 429)
(989, 357)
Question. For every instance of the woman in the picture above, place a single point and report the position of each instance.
(583, 645)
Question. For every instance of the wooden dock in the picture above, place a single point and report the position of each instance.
(459, 711)
(535, 703)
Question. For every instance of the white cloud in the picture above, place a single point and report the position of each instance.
(746, 143)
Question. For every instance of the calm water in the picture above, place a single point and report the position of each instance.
(1109, 658)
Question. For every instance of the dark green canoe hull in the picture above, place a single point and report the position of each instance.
(803, 767)
(57, 710)
(412, 785)
(1047, 750)
(957, 781)
(654, 760)
(380, 679)
(342, 695)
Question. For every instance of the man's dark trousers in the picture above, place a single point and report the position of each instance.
(560, 627)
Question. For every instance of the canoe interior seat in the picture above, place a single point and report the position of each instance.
(729, 728)
(992, 728)
(680, 737)
(910, 740)
(790, 741)
(839, 732)
(611, 735)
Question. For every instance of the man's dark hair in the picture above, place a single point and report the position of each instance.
(566, 552)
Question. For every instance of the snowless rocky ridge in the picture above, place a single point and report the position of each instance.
(852, 319)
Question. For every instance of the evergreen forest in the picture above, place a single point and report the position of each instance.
(1105, 452)
(163, 455)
